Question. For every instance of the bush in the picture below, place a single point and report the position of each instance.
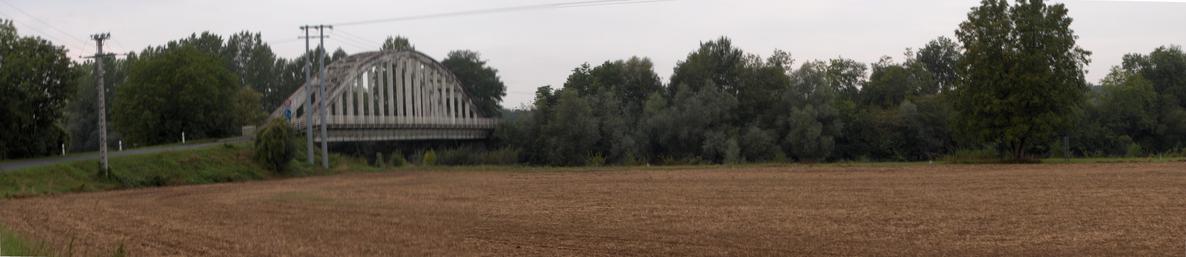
(275, 145)
(595, 160)
(1133, 150)
(965, 156)
(379, 162)
(458, 156)
(504, 156)
(429, 158)
(398, 160)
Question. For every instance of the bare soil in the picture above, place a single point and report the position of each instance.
(912, 210)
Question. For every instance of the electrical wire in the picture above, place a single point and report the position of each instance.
(121, 46)
(356, 38)
(350, 43)
(353, 42)
(68, 35)
(576, 4)
(283, 41)
(49, 37)
(352, 35)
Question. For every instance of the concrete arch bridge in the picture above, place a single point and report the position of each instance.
(388, 96)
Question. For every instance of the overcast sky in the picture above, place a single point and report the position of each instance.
(541, 47)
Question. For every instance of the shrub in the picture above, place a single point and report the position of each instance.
(379, 160)
(274, 145)
(503, 156)
(458, 156)
(1133, 150)
(595, 160)
(965, 156)
(429, 158)
(398, 160)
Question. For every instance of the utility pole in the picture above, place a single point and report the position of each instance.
(99, 38)
(320, 86)
(321, 95)
(308, 98)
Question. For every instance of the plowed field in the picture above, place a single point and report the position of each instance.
(918, 210)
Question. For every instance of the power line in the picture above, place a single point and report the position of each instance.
(284, 41)
(46, 36)
(357, 40)
(362, 47)
(587, 3)
(121, 45)
(613, 4)
(355, 36)
(71, 36)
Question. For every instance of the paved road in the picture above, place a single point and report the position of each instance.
(10, 165)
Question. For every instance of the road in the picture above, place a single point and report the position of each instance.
(10, 165)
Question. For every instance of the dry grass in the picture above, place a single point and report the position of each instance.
(919, 210)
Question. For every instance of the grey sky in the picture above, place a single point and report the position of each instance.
(541, 47)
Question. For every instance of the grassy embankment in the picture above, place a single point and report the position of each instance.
(216, 164)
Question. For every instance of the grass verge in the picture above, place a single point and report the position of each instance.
(215, 164)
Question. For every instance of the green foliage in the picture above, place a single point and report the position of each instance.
(81, 120)
(941, 57)
(397, 43)
(201, 166)
(966, 156)
(261, 71)
(759, 145)
(1021, 74)
(37, 81)
(429, 158)
(398, 160)
(468, 155)
(1133, 150)
(1165, 68)
(16, 245)
(813, 121)
(716, 64)
(501, 156)
(246, 107)
(570, 133)
(481, 82)
(892, 83)
(276, 145)
(177, 90)
(596, 160)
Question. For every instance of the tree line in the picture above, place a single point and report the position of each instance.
(1010, 83)
(204, 85)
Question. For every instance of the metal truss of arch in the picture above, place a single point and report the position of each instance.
(389, 96)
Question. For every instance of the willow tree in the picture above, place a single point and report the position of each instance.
(1021, 75)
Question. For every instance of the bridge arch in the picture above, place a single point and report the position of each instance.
(388, 96)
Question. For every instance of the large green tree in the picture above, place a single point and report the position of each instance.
(1165, 68)
(81, 120)
(1021, 75)
(179, 89)
(36, 81)
(479, 80)
(397, 43)
(812, 122)
(258, 68)
(941, 58)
